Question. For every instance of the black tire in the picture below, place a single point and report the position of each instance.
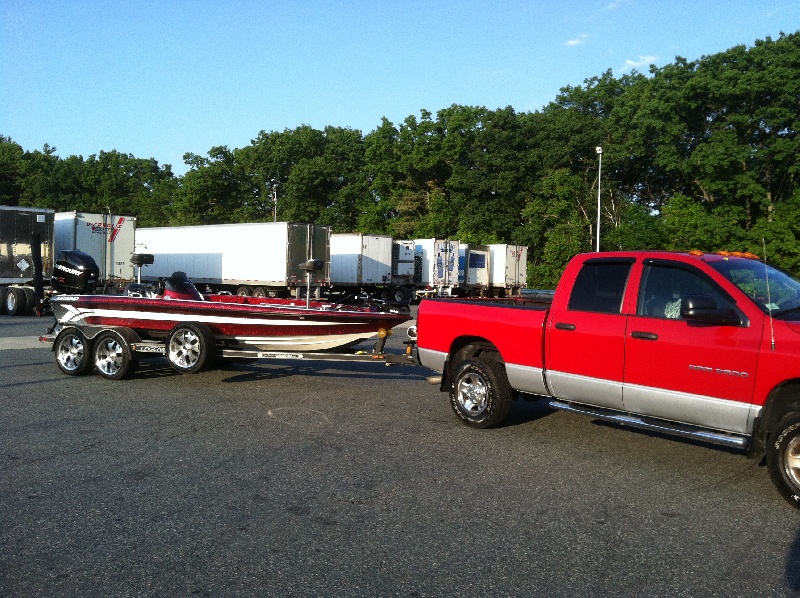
(259, 292)
(244, 291)
(783, 458)
(3, 292)
(73, 352)
(30, 300)
(399, 295)
(480, 393)
(190, 347)
(16, 303)
(112, 356)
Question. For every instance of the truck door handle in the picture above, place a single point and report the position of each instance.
(564, 326)
(644, 336)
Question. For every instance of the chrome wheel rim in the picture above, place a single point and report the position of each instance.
(109, 357)
(71, 352)
(184, 349)
(792, 461)
(472, 393)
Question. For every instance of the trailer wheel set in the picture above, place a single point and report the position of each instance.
(115, 352)
(189, 347)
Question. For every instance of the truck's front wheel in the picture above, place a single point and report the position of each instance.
(783, 458)
(480, 393)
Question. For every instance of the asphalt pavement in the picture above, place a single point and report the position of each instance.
(293, 478)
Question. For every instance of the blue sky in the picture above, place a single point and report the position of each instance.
(160, 78)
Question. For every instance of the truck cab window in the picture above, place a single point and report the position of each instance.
(600, 287)
(663, 288)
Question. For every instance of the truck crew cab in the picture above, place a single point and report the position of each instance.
(695, 344)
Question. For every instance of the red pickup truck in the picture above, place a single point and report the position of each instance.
(696, 344)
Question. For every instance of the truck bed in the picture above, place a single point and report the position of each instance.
(513, 327)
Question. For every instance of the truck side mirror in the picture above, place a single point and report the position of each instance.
(704, 309)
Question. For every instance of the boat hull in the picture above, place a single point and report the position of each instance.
(236, 322)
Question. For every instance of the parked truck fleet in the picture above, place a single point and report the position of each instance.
(262, 259)
(258, 259)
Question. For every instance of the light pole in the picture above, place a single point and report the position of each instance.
(599, 151)
(274, 185)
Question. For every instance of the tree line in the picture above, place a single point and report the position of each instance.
(698, 154)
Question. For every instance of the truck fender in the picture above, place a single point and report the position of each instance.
(464, 349)
(783, 400)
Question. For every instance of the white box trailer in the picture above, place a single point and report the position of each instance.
(477, 259)
(436, 266)
(375, 264)
(109, 239)
(260, 259)
(508, 268)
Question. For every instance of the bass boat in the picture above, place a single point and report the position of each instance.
(244, 323)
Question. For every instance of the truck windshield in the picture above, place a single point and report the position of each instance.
(780, 298)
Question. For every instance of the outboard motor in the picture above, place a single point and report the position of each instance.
(178, 286)
(75, 272)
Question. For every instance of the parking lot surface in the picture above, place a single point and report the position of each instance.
(294, 478)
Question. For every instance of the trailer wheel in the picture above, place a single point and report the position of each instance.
(244, 291)
(190, 347)
(399, 295)
(73, 352)
(259, 292)
(15, 302)
(3, 293)
(480, 393)
(112, 356)
(783, 458)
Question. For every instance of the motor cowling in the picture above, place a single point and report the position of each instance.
(75, 272)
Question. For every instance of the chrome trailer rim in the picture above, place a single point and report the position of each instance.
(109, 357)
(184, 349)
(71, 352)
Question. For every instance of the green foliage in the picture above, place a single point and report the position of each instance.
(697, 154)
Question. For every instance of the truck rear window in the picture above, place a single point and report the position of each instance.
(600, 287)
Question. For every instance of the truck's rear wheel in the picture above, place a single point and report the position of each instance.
(30, 300)
(480, 393)
(190, 347)
(3, 293)
(112, 356)
(73, 352)
(16, 301)
(783, 458)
